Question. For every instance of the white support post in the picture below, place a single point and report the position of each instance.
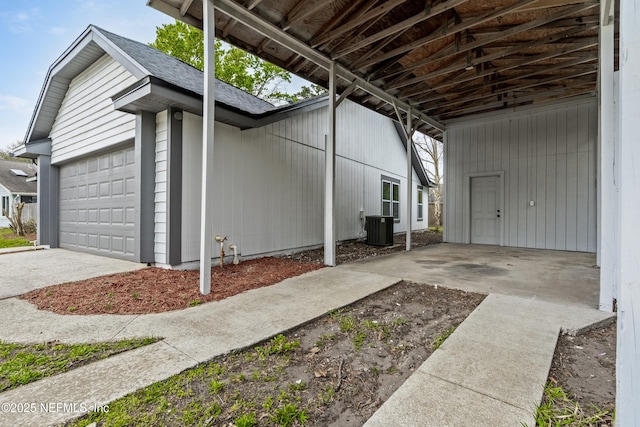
(628, 356)
(409, 133)
(607, 192)
(208, 125)
(329, 174)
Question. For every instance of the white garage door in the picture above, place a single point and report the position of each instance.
(97, 204)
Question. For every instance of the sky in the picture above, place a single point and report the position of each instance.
(34, 33)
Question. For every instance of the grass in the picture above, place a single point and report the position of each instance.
(8, 239)
(178, 400)
(224, 391)
(362, 332)
(557, 409)
(260, 385)
(24, 363)
(440, 339)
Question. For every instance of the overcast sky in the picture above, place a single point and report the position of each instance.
(34, 33)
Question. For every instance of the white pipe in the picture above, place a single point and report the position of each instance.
(234, 248)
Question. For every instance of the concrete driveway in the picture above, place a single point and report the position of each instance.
(22, 272)
(568, 278)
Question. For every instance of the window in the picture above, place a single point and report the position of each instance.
(29, 199)
(419, 203)
(391, 197)
(5, 204)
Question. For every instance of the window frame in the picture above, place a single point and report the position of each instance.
(393, 205)
(420, 203)
(5, 205)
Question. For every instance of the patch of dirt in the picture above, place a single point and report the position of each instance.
(585, 367)
(338, 369)
(155, 290)
(356, 250)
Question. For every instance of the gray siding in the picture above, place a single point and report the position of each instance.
(86, 121)
(160, 218)
(548, 156)
(269, 183)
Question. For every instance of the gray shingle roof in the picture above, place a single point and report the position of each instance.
(14, 183)
(183, 75)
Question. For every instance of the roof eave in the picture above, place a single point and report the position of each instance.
(56, 71)
(34, 149)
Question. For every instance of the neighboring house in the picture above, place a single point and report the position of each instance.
(17, 184)
(117, 132)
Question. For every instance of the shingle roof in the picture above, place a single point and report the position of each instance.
(183, 75)
(15, 183)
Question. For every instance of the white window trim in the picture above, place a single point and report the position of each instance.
(420, 204)
(392, 182)
(2, 205)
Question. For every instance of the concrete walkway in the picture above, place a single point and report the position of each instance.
(554, 276)
(190, 336)
(24, 271)
(490, 372)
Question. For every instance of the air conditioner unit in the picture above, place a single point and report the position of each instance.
(379, 230)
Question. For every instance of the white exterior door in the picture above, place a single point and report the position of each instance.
(485, 210)
(97, 204)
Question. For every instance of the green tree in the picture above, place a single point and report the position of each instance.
(232, 65)
(5, 153)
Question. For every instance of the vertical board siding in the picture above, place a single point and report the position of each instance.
(548, 156)
(160, 198)
(86, 121)
(271, 180)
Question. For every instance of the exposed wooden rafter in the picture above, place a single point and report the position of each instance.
(441, 58)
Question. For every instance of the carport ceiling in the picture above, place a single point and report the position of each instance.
(447, 59)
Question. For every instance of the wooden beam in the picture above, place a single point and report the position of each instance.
(353, 86)
(475, 96)
(351, 24)
(185, 7)
(548, 17)
(267, 29)
(232, 22)
(300, 11)
(513, 49)
(557, 92)
(366, 60)
(400, 26)
(553, 53)
(358, 6)
(527, 73)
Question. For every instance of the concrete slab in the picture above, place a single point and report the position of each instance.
(69, 395)
(25, 271)
(567, 278)
(427, 401)
(190, 336)
(491, 370)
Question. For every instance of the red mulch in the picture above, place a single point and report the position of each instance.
(155, 290)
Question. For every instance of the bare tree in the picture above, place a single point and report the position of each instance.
(430, 151)
(15, 219)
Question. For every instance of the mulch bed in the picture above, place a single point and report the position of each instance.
(155, 290)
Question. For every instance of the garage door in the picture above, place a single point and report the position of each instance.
(97, 204)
